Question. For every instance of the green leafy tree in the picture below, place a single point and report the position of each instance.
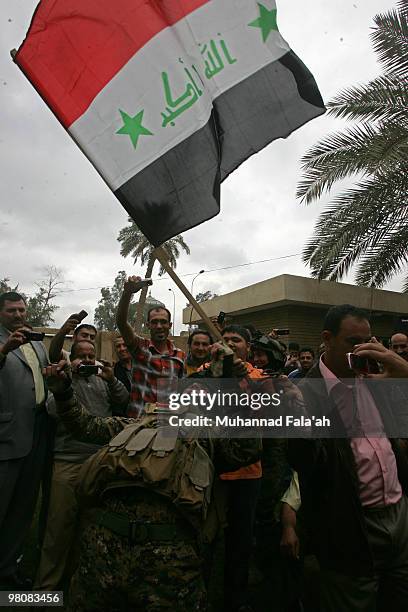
(204, 296)
(105, 312)
(40, 308)
(134, 243)
(5, 287)
(366, 224)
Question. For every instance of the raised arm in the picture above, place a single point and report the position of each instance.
(58, 340)
(131, 286)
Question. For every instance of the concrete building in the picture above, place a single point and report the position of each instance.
(299, 304)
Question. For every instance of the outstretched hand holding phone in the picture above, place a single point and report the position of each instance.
(394, 366)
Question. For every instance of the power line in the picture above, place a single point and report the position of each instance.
(251, 263)
(160, 278)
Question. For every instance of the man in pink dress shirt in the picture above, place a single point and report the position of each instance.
(353, 486)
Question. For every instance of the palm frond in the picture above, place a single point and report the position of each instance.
(383, 99)
(386, 258)
(367, 224)
(390, 41)
(360, 149)
(356, 221)
(134, 243)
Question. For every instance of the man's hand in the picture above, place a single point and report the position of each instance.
(218, 351)
(132, 285)
(218, 327)
(57, 377)
(70, 325)
(291, 391)
(106, 372)
(239, 368)
(289, 544)
(14, 341)
(292, 360)
(394, 366)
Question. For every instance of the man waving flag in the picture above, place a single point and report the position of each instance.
(168, 97)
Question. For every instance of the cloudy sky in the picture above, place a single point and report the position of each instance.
(56, 210)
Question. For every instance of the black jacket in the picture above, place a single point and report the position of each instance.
(329, 484)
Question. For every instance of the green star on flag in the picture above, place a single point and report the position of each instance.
(132, 126)
(266, 21)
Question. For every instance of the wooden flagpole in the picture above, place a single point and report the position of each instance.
(162, 257)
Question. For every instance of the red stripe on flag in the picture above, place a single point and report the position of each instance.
(74, 47)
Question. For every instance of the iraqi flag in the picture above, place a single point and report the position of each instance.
(167, 97)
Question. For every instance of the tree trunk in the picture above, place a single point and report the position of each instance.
(143, 295)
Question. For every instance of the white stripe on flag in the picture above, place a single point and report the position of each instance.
(237, 52)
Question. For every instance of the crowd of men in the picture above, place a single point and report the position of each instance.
(130, 519)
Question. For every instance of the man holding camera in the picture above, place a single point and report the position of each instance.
(23, 433)
(104, 395)
(354, 485)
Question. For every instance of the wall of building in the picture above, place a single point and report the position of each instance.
(305, 323)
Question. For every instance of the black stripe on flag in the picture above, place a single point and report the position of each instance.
(181, 189)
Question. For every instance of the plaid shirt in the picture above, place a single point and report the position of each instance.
(149, 365)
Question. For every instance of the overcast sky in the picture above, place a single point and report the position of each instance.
(55, 209)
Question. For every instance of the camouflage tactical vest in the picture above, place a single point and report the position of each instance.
(151, 454)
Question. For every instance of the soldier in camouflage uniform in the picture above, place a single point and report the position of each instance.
(139, 552)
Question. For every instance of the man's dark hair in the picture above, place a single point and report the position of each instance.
(199, 331)
(74, 347)
(336, 314)
(254, 333)
(237, 329)
(85, 326)
(10, 296)
(306, 349)
(157, 308)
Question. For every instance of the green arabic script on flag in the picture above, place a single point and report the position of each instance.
(167, 99)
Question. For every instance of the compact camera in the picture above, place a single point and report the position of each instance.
(33, 336)
(86, 370)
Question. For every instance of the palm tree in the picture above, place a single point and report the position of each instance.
(367, 223)
(135, 243)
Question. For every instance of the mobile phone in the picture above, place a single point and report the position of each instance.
(282, 332)
(221, 317)
(145, 282)
(81, 315)
(362, 365)
(33, 336)
(87, 370)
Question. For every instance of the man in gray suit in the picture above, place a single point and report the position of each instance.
(23, 433)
